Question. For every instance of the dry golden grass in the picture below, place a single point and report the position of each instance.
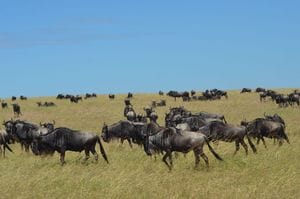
(272, 173)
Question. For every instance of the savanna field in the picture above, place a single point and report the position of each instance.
(272, 173)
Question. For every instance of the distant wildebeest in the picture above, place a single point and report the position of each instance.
(4, 105)
(193, 92)
(129, 95)
(176, 94)
(246, 90)
(87, 95)
(127, 102)
(264, 127)
(161, 93)
(186, 99)
(13, 98)
(169, 140)
(282, 100)
(294, 99)
(111, 96)
(65, 139)
(75, 99)
(60, 96)
(161, 103)
(5, 139)
(16, 109)
(123, 130)
(23, 97)
(259, 90)
(151, 114)
(217, 130)
(46, 104)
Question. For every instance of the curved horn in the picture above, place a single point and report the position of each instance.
(41, 124)
(53, 122)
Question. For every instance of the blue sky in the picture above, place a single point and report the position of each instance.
(49, 47)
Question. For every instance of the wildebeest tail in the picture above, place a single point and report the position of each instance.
(102, 149)
(284, 135)
(212, 150)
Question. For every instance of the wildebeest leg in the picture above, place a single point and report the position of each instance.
(263, 140)
(244, 145)
(197, 157)
(205, 159)
(87, 154)
(237, 147)
(95, 154)
(62, 157)
(129, 141)
(165, 159)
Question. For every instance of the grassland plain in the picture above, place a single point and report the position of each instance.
(272, 173)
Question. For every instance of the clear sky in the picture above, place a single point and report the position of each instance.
(60, 46)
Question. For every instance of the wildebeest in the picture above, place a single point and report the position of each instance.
(75, 99)
(161, 93)
(129, 95)
(258, 90)
(24, 132)
(217, 130)
(127, 102)
(246, 90)
(282, 100)
(208, 116)
(123, 130)
(23, 97)
(4, 105)
(46, 104)
(176, 94)
(5, 139)
(169, 140)
(262, 127)
(60, 96)
(294, 99)
(65, 139)
(151, 114)
(193, 92)
(111, 96)
(87, 95)
(13, 98)
(161, 103)
(16, 109)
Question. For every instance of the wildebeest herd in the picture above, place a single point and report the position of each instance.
(183, 131)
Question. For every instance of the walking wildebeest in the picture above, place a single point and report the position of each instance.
(17, 110)
(176, 94)
(258, 90)
(123, 130)
(262, 127)
(169, 140)
(65, 139)
(228, 133)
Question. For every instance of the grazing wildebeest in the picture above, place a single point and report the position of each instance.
(262, 127)
(13, 98)
(4, 105)
(228, 133)
(17, 110)
(65, 139)
(5, 139)
(123, 130)
(111, 96)
(169, 140)
(23, 97)
(161, 93)
(246, 90)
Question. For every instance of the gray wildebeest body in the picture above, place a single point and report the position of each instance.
(169, 140)
(64, 139)
(228, 133)
(262, 127)
(123, 130)
(17, 110)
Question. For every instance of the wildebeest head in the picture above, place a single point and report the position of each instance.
(48, 125)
